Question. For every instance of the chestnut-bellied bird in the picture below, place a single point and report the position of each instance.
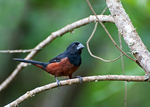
(65, 64)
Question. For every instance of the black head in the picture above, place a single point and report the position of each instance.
(75, 48)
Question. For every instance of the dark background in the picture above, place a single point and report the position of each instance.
(25, 23)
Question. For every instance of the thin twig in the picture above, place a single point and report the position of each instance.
(125, 99)
(75, 81)
(18, 51)
(104, 10)
(108, 32)
(50, 38)
(87, 43)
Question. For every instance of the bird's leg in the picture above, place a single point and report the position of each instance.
(70, 76)
(58, 82)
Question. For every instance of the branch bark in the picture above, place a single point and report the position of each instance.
(75, 81)
(131, 37)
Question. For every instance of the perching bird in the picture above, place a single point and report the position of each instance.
(65, 64)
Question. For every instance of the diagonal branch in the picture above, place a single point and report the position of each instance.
(50, 38)
(129, 34)
(75, 81)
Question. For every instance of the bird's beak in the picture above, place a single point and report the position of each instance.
(80, 46)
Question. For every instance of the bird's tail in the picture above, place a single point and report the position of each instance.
(36, 63)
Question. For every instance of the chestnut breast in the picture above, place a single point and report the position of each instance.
(62, 68)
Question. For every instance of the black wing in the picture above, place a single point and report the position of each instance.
(58, 58)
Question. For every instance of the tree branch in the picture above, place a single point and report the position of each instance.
(75, 81)
(129, 34)
(108, 32)
(17, 51)
(50, 38)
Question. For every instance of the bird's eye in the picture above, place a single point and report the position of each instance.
(77, 44)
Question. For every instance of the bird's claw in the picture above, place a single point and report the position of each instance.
(80, 79)
(58, 82)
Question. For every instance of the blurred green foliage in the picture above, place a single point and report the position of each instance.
(25, 23)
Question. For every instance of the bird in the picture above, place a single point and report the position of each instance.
(64, 64)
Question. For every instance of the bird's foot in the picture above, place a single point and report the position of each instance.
(58, 82)
(80, 79)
